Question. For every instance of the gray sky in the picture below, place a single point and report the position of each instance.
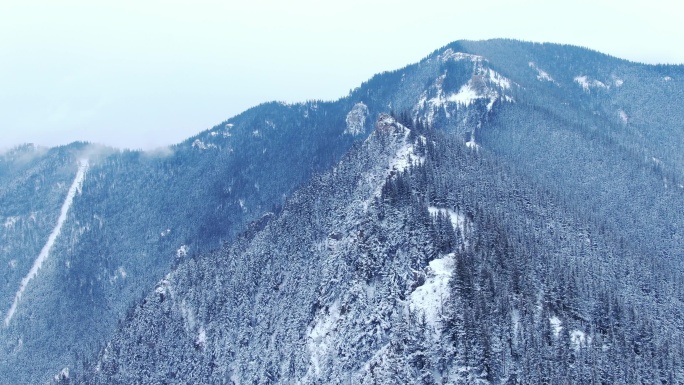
(147, 73)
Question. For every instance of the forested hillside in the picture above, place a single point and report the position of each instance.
(499, 212)
(414, 260)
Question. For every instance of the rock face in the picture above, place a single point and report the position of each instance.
(500, 212)
(356, 119)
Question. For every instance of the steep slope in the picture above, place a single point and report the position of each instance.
(598, 136)
(135, 215)
(416, 259)
(139, 213)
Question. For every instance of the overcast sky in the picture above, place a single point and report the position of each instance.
(147, 73)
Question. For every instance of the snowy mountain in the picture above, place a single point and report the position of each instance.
(500, 212)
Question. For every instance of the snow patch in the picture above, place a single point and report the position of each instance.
(667, 78)
(471, 144)
(62, 375)
(201, 340)
(163, 287)
(465, 96)
(484, 84)
(10, 221)
(515, 322)
(182, 251)
(430, 297)
(579, 339)
(76, 188)
(405, 157)
(618, 82)
(458, 221)
(165, 232)
(356, 119)
(556, 326)
(587, 84)
(623, 116)
(201, 145)
(450, 54)
(320, 335)
(12, 264)
(541, 74)
(498, 79)
(480, 87)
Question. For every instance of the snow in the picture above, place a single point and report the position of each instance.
(62, 375)
(541, 74)
(356, 119)
(582, 81)
(387, 120)
(465, 96)
(75, 188)
(404, 158)
(201, 337)
(165, 232)
(429, 298)
(472, 144)
(496, 78)
(485, 84)
(182, 251)
(623, 116)
(587, 84)
(164, 286)
(667, 78)
(10, 221)
(458, 221)
(618, 82)
(468, 93)
(515, 321)
(556, 326)
(319, 336)
(119, 273)
(579, 339)
(201, 145)
(450, 54)
(226, 131)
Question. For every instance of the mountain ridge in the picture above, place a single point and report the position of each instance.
(142, 213)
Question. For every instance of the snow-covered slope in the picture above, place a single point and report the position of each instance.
(505, 159)
(45, 251)
(457, 271)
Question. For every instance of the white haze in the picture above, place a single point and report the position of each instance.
(143, 74)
